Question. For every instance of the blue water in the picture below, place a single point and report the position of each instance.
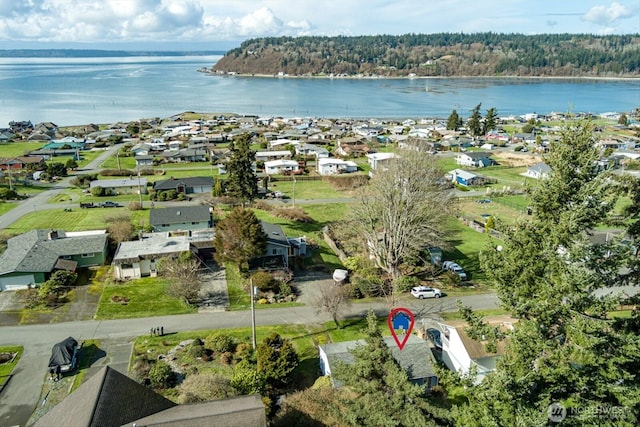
(104, 90)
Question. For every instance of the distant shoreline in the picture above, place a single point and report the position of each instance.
(362, 77)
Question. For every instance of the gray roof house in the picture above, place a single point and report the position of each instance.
(538, 171)
(111, 399)
(280, 249)
(138, 258)
(114, 187)
(196, 184)
(181, 218)
(415, 358)
(31, 257)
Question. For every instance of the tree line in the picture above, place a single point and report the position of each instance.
(441, 54)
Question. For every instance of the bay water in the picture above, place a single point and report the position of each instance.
(74, 91)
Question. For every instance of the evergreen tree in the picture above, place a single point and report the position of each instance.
(566, 348)
(276, 359)
(474, 126)
(490, 120)
(454, 121)
(242, 182)
(378, 391)
(239, 237)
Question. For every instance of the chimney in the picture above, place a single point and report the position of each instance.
(53, 234)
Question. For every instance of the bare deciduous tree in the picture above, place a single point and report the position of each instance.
(120, 228)
(331, 299)
(403, 210)
(183, 272)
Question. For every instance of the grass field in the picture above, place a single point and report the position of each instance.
(307, 190)
(15, 149)
(146, 297)
(76, 220)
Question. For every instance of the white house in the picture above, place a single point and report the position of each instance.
(538, 171)
(460, 353)
(138, 258)
(332, 166)
(474, 158)
(274, 167)
(376, 160)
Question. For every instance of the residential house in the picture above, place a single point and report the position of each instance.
(22, 162)
(274, 167)
(351, 147)
(181, 218)
(377, 160)
(113, 187)
(110, 398)
(32, 257)
(332, 166)
(460, 353)
(273, 155)
(465, 178)
(538, 171)
(312, 150)
(138, 258)
(6, 135)
(144, 160)
(188, 185)
(280, 249)
(415, 358)
(185, 155)
(474, 158)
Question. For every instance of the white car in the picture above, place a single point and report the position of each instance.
(422, 292)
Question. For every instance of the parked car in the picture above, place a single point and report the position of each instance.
(435, 337)
(110, 204)
(455, 268)
(422, 292)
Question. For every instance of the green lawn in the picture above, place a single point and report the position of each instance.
(7, 368)
(76, 220)
(146, 297)
(307, 190)
(14, 149)
(6, 207)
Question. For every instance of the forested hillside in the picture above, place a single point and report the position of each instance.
(444, 54)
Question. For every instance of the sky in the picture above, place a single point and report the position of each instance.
(224, 24)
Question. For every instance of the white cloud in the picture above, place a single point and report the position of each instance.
(603, 15)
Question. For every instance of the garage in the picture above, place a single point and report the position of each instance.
(16, 282)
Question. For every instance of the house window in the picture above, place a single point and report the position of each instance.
(274, 252)
(126, 266)
(66, 256)
(91, 255)
(194, 223)
(165, 225)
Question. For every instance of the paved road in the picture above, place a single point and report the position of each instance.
(22, 393)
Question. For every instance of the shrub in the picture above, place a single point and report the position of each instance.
(220, 343)
(134, 206)
(161, 375)
(285, 289)
(264, 281)
(404, 283)
(243, 351)
(196, 351)
(226, 358)
(140, 368)
(294, 214)
(204, 387)
(197, 341)
(97, 191)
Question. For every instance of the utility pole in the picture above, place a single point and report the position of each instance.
(253, 315)
(294, 192)
(139, 188)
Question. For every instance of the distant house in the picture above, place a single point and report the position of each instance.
(32, 257)
(465, 178)
(144, 160)
(110, 398)
(352, 147)
(21, 162)
(189, 185)
(415, 358)
(376, 160)
(475, 158)
(138, 258)
(113, 187)
(538, 171)
(181, 218)
(184, 155)
(312, 150)
(274, 167)
(332, 166)
(273, 155)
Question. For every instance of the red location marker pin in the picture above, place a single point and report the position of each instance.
(400, 320)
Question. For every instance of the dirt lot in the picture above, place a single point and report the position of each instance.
(516, 160)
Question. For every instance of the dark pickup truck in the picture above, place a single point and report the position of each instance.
(87, 205)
